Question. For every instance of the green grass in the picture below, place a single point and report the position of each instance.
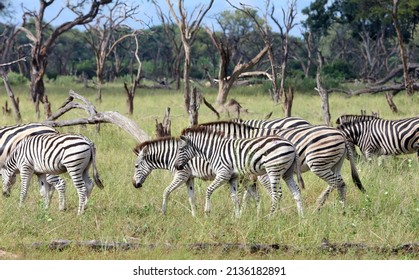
(385, 217)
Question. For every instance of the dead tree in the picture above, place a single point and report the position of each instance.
(102, 36)
(225, 81)
(405, 61)
(41, 43)
(5, 109)
(135, 81)
(163, 129)
(323, 92)
(188, 30)
(176, 46)
(284, 31)
(94, 117)
(13, 100)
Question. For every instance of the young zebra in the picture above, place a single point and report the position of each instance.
(320, 149)
(281, 123)
(53, 154)
(376, 137)
(230, 158)
(161, 154)
(10, 136)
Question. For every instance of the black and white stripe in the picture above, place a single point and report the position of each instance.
(320, 149)
(10, 136)
(281, 123)
(53, 154)
(376, 137)
(355, 118)
(230, 158)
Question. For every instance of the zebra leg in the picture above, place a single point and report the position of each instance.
(275, 188)
(80, 186)
(46, 190)
(234, 196)
(295, 190)
(88, 183)
(25, 177)
(176, 182)
(253, 191)
(59, 185)
(191, 195)
(219, 180)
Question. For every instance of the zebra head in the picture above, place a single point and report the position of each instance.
(142, 167)
(186, 152)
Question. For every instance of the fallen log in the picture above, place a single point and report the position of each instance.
(95, 117)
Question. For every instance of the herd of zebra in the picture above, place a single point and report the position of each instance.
(272, 149)
(226, 151)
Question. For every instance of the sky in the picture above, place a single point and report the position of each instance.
(147, 11)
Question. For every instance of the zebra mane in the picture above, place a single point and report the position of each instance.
(230, 122)
(141, 146)
(355, 118)
(201, 129)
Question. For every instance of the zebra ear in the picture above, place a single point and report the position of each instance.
(145, 150)
(184, 139)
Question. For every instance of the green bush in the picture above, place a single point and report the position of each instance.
(17, 79)
(339, 69)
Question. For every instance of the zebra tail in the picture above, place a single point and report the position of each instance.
(354, 172)
(98, 182)
(298, 171)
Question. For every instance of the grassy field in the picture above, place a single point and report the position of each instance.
(374, 224)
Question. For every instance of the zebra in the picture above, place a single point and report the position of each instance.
(320, 149)
(281, 123)
(53, 154)
(10, 136)
(161, 154)
(377, 137)
(230, 158)
(355, 118)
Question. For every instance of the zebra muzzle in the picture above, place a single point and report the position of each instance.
(136, 184)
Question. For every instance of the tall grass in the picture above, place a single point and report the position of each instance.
(386, 216)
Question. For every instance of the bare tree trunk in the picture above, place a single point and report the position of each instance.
(407, 81)
(135, 81)
(186, 70)
(275, 90)
(389, 97)
(163, 129)
(195, 101)
(324, 94)
(15, 102)
(288, 99)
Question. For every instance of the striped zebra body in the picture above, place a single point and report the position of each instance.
(53, 154)
(10, 137)
(320, 149)
(161, 154)
(231, 158)
(377, 137)
(281, 123)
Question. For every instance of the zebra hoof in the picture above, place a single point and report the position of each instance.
(6, 194)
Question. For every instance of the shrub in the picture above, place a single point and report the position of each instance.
(17, 79)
